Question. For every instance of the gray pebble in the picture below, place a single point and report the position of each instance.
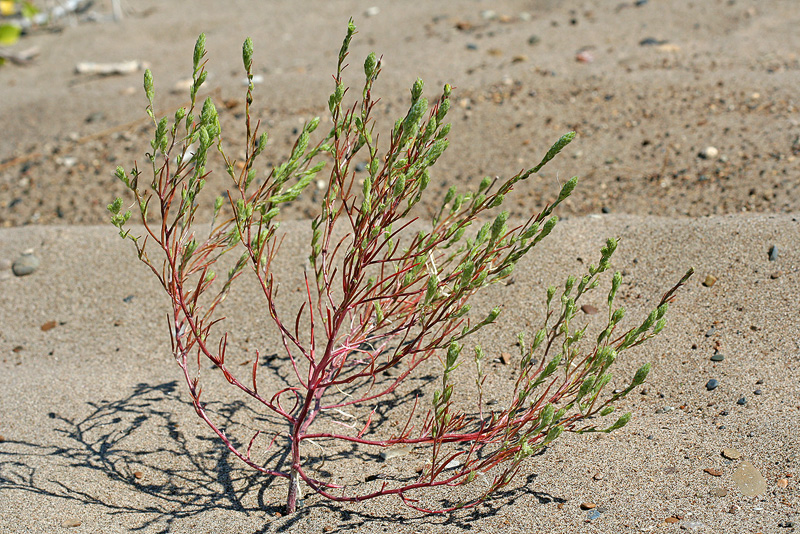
(692, 525)
(742, 401)
(534, 40)
(717, 357)
(26, 264)
(711, 331)
(593, 514)
(757, 392)
(773, 253)
(472, 46)
(712, 384)
(361, 167)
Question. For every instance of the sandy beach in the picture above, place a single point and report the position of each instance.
(97, 432)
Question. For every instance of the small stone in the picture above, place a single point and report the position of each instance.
(709, 152)
(452, 464)
(588, 505)
(781, 483)
(786, 524)
(710, 280)
(773, 253)
(757, 392)
(505, 358)
(598, 476)
(651, 41)
(719, 492)
(717, 357)
(593, 514)
(671, 520)
(472, 46)
(711, 331)
(26, 264)
(138, 475)
(713, 472)
(712, 384)
(692, 525)
(749, 479)
(372, 11)
(71, 523)
(361, 166)
(97, 116)
(588, 309)
(775, 275)
(731, 454)
(742, 401)
(394, 453)
(49, 325)
(488, 14)
(534, 40)
(560, 506)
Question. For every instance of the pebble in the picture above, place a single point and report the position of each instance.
(372, 11)
(394, 453)
(712, 384)
(786, 524)
(588, 309)
(71, 523)
(742, 401)
(692, 525)
(588, 505)
(731, 454)
(757, 392)
(361, 167)
(781, 483)
(710, 280)
(713, 472)
(651, 41)
(534, 40)
(593, 514)
(749, 479)
(709, 152)
(671, 520)
(717, 357)
(719, 492)
(773, 253)
(97, 116)
(26, 264)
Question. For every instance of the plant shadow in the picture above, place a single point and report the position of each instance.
(183, 476)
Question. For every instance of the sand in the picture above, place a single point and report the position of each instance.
(96, 427)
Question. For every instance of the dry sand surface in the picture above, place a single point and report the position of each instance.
(96, 432)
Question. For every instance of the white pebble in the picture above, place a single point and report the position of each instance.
(709, 152)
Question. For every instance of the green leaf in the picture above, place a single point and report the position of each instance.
(9, 34)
